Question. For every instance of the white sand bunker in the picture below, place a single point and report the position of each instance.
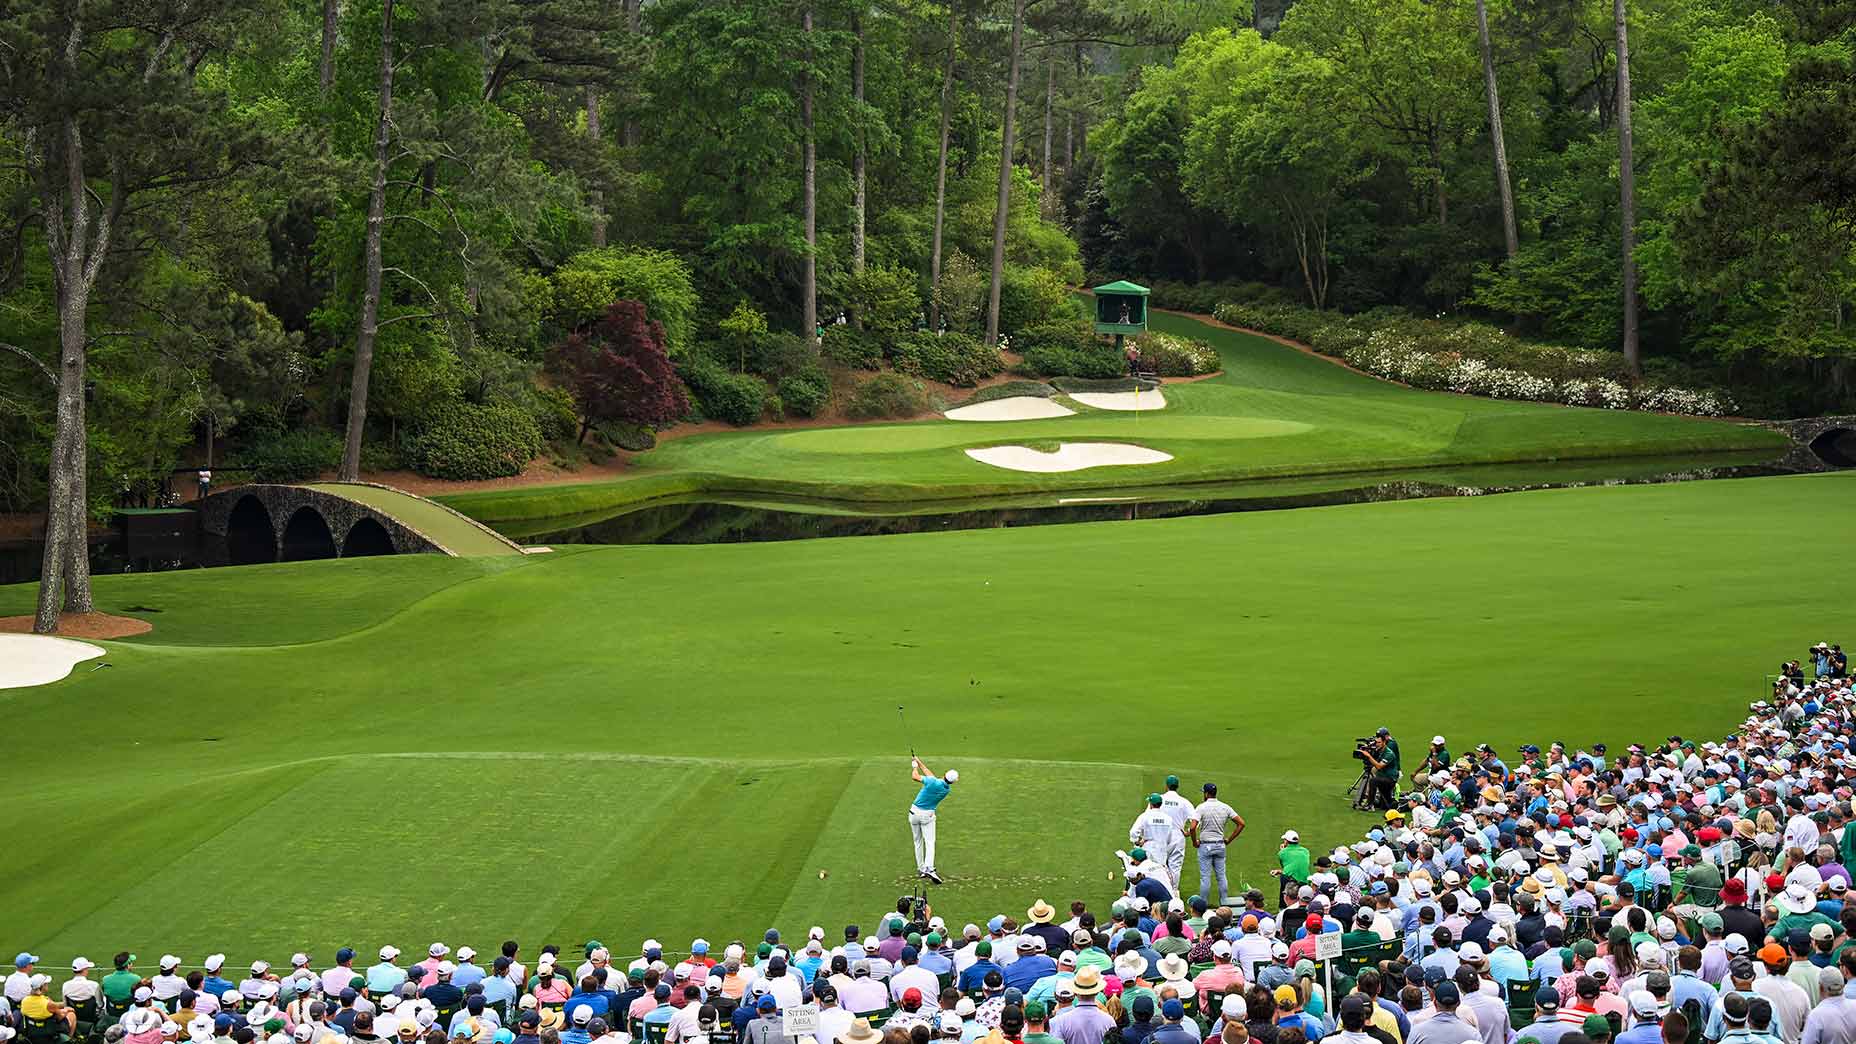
(33, 659)
(1017, 407)
(1141, 400)
(1070, 456)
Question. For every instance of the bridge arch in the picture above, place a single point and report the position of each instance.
(266, 522)
(306, 537)
(1836, 447)
(251, 536)
(367, 538)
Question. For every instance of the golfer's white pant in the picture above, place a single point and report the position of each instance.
(921, 825)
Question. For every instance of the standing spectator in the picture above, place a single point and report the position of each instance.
(1213, 825)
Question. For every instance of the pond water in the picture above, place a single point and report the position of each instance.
(719, 518)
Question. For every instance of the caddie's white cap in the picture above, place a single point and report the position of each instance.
(953, 776)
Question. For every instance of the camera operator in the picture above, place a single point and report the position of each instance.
(1381, 756)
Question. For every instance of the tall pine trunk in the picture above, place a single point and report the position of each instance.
(76, 240)
(1050, 99)
(1627, 195)
(811, 187)
(1004, 203)
(595, 197)
(1496, 137)
(633, 24)
(940, 175)
(327, 77)
(859, 201)
(370, 292)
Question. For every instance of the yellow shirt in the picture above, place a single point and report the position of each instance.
(36, 1006)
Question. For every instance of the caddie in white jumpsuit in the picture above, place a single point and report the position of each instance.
(1154, 831)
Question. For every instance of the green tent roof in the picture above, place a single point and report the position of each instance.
(1122, 286)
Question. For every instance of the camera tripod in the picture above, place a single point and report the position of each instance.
(1362, 791)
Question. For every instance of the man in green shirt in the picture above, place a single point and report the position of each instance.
(1037, 1025)
(1701, 884)
(1388, 770)
(1361, 939)
(1292, 860)
(1797, 912)
(120, 984)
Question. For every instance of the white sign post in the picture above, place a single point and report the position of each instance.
(800, 1020)
(1327, 951)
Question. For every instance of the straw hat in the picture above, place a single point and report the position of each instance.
(1040, 912)
(1088, 982)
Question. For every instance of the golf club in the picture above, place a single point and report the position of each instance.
(905, 729)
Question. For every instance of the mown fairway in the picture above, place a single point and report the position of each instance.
(673, 740)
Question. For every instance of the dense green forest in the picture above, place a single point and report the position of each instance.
(358, 235)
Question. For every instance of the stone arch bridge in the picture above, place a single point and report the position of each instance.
(1820, 442)
(266, 522)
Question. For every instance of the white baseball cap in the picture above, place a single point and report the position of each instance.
(389, 952)
(446, 967)
(299, 960)
(260, 967)
(1437, 741)
(169, 962)
(1291, 836)
(438, 949)
(81, 964)
(215, 962)
(465, 953)
(953, 776)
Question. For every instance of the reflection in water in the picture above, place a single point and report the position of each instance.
(713, 519)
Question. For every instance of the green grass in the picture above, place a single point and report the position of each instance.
(457, 534)
(677, 740)
(1274, 412)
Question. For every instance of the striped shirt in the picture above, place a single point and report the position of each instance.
(1213, 816)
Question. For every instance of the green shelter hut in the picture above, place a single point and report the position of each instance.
(1121, 308)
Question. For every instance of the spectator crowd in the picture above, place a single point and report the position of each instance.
(1680, 892)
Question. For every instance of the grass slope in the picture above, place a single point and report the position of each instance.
(561, 746)
(1273, 412)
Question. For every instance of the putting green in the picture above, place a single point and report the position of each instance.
(678, 740)
(1273, 412)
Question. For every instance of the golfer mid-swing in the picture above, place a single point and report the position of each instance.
(921, 814)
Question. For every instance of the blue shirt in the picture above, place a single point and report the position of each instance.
(215, 985)
(384, 977)
(975, 975)
(467, 975)
(1023, 972)
(932, 793)
(497, 988)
